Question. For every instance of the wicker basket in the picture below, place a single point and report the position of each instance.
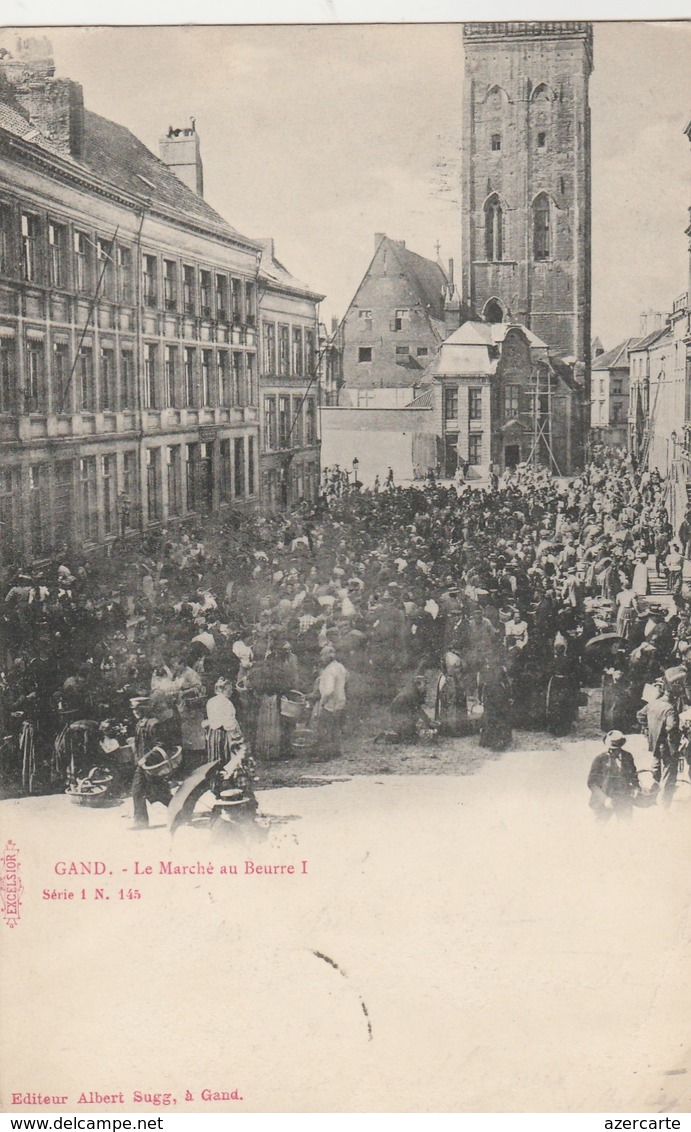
(159, 764)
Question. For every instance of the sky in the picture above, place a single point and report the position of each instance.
(322, 135)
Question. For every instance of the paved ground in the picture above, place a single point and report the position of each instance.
(461, 941)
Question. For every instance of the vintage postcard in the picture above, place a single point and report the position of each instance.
(345, 554)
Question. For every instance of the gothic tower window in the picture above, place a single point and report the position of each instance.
(541, 227)
(493, 311)
(493, 229)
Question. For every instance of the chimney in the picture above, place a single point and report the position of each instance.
(54, 106)
(334, 324)
(179, 150)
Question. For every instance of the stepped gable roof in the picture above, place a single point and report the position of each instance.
(616, 357)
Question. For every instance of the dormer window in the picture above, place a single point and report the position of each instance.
(496, 143)
(542, 140)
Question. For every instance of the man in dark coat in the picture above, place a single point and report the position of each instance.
(613, 779)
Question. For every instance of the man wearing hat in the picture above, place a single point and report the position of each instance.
(613, 779)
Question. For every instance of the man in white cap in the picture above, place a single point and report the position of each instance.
(613, 779)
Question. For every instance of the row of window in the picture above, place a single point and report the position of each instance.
(451, 397)
(67, 496)
(540, 141)
(474, 447)
(284, 428)
(616, 386)
(541, 228)
(282, 488)
(190, 377)
(102, 501)
(104, 380)
(199, 475)
(44, 251)
(512, 403)
(288, 350)
(401, 320)
(365, 353)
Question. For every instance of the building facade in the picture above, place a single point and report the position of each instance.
(660, 410)
(400, 314)
(289, 386)
(526, 179)
(609, 395)
(128, 329)
(654, 411)
(502, 400)
(330, 362)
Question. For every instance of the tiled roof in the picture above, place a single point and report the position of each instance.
(651, 339)
(616, 357)
(15, 120)
(115, 154)
(489, 334)
(424, 275)
(424, 400)
(274, 271)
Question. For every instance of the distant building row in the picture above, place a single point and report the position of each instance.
(641, 395)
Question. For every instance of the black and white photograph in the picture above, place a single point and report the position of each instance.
(345, 568)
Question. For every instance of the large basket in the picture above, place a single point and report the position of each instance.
(92, 790)
(293, 705)
(159, 764)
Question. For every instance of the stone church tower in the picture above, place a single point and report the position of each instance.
(526, 179)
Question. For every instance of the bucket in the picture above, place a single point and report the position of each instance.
(293, 705)
(303, 741)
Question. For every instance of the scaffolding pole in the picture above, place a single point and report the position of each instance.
(542, 421)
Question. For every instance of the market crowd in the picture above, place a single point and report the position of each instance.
(459, 609)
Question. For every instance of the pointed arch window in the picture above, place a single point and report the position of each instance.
(541, 228)
(493, 311)
(494, 229)
(542, 93)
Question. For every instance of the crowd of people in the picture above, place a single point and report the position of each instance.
(459, 608)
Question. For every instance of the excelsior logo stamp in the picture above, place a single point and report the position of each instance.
(11, 887)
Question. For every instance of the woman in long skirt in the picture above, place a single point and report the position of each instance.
(225, 742)
(496, 730)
